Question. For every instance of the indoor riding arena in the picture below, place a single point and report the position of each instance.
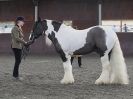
(41, 69)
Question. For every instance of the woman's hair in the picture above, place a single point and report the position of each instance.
(19, 18)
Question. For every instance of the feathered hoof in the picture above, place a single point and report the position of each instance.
(66, 81)
(115, 82)
(102, 82)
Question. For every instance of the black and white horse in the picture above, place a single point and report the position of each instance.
(69, 41)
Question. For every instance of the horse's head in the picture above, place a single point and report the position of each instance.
(38, 29)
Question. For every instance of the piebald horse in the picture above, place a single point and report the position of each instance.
(69, 41)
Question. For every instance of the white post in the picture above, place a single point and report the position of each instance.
(36, 12)
(100, 14)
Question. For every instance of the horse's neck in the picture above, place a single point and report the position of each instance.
(64, 29)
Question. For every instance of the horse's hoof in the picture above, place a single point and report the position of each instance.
(100, 82)
(67, 81)
(119, 82)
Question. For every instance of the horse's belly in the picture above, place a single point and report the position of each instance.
(72, 46)
(86, 49)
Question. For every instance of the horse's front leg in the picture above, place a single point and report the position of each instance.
(68, 75)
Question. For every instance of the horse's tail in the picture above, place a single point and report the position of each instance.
(118, 67)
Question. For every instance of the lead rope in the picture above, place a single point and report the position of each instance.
(25, 51)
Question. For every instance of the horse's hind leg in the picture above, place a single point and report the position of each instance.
(105, 75)
(79, 61)
(72, 58)
(68, 75)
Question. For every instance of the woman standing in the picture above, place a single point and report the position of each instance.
(17, 43)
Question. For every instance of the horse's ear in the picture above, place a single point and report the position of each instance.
(39, 19)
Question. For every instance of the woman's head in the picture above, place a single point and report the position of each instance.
(20, 21)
